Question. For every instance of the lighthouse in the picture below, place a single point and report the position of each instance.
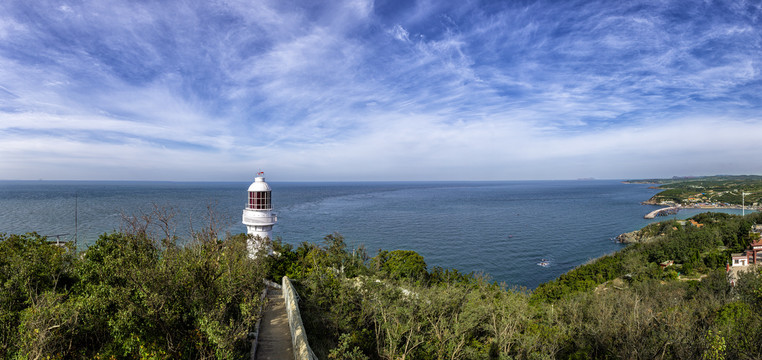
(258, 216)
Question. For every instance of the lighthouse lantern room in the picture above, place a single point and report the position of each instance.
(258, 216)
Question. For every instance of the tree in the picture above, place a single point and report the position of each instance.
(401, 264)
(34, 276)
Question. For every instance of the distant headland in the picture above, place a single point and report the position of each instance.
(707, 192)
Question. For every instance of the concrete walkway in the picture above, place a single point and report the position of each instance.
(275, 336)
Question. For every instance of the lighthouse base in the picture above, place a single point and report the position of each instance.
(258, 242)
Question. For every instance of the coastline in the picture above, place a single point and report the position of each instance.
(674, 208)
(705, 206)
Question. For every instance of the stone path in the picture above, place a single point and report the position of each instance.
(275, 336)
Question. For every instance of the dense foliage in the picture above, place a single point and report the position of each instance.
(624, 305)
(127, 297)
(697, 249)
(133, 296)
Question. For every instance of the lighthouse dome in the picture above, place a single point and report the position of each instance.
(259, 184)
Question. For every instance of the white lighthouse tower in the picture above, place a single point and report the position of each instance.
(258, 216)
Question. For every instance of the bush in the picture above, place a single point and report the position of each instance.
(401, 264)
(33, 274)
(127, 297)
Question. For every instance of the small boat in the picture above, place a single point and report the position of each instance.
(544, 263)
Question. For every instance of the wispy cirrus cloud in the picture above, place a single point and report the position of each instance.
(378, 90)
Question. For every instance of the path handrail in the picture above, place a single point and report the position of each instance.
(301, 347)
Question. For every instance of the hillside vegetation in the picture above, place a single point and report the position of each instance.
(139, 296)
(127, 297)
(621, 306)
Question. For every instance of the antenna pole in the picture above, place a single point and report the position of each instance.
(76, 210)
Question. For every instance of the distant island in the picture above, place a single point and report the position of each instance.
(711, 192)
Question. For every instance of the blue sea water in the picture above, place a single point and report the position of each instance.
(502, 229)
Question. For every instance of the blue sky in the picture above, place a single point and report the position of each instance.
(379, 90)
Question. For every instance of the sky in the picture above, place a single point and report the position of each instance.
(356, 90)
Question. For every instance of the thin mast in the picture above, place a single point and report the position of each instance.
(76, 210)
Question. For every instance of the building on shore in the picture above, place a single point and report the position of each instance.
(750, 256)
(258, 217)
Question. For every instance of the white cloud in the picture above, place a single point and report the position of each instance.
(400, 33)
(413, 147)
(339, 91)
(9, 27)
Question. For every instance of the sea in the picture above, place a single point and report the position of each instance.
(502, 229)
